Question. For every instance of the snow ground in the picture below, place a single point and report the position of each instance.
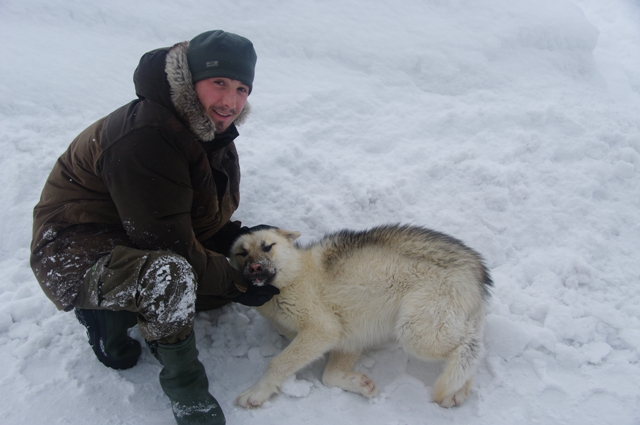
(510, 124)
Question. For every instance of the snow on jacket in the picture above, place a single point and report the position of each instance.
(151, 175)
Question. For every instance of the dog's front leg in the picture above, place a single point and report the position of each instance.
(310, 344)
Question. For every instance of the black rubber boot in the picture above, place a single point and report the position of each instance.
(107, 332)
(184, 381)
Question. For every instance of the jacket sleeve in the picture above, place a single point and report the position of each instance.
(148, 178)
(224, 238)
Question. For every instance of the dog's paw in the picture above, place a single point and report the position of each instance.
(354, 382)
(366, 385)
(455, 399)
(255, 397)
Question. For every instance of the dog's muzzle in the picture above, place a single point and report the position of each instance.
(259, 273)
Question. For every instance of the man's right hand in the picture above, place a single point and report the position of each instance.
(255, 296)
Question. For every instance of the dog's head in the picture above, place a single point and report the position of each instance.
(260, 254)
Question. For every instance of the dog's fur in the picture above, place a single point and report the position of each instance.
(352, 290)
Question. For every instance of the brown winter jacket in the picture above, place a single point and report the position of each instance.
(151, 175)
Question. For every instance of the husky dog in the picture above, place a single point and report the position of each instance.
(352, 290)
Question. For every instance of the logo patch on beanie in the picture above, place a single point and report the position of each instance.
(211, 64)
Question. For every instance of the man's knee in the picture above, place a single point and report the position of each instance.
(158, 285)
(167, 296)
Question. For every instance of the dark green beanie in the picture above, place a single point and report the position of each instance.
(222, 54)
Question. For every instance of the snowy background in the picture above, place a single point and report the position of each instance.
(513, 125)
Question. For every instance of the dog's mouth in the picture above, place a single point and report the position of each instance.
(259, 274)
(260, 281)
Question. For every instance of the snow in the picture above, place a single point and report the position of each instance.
(510, 124)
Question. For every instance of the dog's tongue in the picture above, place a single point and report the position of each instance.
(258, 282)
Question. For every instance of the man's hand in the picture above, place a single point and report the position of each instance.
(257, 295)
(245, 230)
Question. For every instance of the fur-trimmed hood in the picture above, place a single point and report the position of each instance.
(171, 86)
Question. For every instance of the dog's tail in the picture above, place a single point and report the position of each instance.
(452, 387)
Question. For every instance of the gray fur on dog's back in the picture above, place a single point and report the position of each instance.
(417, 243)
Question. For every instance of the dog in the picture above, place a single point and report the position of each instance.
(354, 289)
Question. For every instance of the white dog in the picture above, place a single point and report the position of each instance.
(352, 290)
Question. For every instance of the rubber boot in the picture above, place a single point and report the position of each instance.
(107, 332)
(184, 381)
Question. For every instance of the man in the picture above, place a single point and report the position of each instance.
(133, 225)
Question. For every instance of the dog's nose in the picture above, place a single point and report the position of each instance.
(255, 268)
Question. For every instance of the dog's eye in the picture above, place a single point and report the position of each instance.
(267, 248)
(242, 253)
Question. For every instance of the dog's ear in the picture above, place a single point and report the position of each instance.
(289, 234)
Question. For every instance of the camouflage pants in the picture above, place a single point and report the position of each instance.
(159, 286)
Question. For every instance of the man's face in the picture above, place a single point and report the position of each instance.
(223, 99)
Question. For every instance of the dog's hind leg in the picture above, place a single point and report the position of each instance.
(339, 373)
(452, 387)
(433, 334)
